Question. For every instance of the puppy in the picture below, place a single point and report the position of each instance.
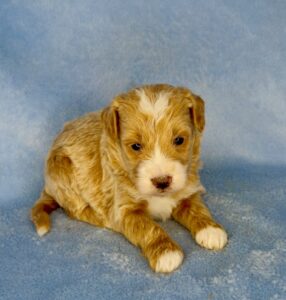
(135, 161)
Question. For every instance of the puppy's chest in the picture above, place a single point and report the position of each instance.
(161, 207)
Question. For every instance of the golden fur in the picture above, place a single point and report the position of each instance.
(94, 174)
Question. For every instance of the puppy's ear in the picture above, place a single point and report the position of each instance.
(110, 119)
(197, 112)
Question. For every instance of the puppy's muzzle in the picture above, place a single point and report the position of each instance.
(162, 182)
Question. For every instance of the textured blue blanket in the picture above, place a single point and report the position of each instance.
(60, 59)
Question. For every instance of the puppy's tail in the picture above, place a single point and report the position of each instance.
(41, 211)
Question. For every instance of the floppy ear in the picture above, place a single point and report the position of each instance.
(110, 119)
(197, 112)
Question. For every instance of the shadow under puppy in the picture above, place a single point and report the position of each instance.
(135, 161)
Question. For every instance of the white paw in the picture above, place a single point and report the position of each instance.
(169, 261)
(211, 237)
(42, 230)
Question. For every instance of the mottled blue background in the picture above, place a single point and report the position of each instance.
(60, 59)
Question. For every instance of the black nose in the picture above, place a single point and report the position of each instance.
(161, 182)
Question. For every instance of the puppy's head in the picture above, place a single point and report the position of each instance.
(156, 129)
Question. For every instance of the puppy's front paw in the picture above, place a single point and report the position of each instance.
(164, 255)
(214, 238)
(169, 261)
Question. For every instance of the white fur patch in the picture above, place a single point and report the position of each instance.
(169, 261)
(160, 165)
(155, 109)
(161, 207)
(42, 230)
(211, 237)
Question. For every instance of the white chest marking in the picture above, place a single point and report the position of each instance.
(161, 207)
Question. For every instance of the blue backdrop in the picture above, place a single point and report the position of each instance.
(60, 59)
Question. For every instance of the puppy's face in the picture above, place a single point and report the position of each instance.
(155, 127)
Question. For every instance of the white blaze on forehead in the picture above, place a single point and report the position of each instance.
(157, 108)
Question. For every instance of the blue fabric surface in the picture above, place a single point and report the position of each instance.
(60, 59)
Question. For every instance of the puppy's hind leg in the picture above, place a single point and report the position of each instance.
(40, 213)
(62, 183)
(88, 215)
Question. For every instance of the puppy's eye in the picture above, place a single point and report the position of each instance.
(136, 147)
(179, 140)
